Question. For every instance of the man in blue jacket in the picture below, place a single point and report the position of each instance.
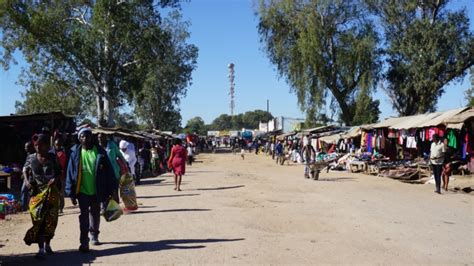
(90, 180)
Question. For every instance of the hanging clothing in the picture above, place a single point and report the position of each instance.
(369, 142)
(411, 142)
(452, 141)
(431, 132)
(465, 142)
(392, 134)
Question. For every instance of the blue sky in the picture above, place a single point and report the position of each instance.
(225, 31)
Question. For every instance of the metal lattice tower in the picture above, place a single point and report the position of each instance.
(232, 88)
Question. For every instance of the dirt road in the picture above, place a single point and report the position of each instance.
(252, 211)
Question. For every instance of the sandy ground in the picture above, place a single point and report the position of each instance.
(252, 211)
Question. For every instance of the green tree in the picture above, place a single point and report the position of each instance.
(252, 119)
(196, 125)
(367, 110)
(325, 50)
(127, 121)
(428, 46)
(222, 122)
(238, 122)
(157, 103)
(104, 47)
(51, 96)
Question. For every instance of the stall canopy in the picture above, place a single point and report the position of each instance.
(17, 129)
(284, 136)
(422, 120)
(118, 132)
(317, 130)
(457, 121)
(344, 133)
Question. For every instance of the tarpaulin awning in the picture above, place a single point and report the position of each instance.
(353, 132)
(331, 139)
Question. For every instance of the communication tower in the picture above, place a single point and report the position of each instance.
(232, 88)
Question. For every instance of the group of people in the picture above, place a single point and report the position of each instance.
(89, 175)
(88, 179)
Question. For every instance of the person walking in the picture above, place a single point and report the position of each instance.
(114, 154)
(177, 162)
(25, 196)
(61, 156)
(42, 174)
(189, 151)
(129, 154)
(279, 152)
(436, 159)
(90, 180)
(447, 165)
(309, 153)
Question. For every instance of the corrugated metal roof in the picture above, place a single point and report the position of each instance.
(317, 129)
(460, 117)
(440, 119)
(388, 122)
(424, 120)
(414, 121)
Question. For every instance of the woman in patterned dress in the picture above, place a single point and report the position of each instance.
(43, 174)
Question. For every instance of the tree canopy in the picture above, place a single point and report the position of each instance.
(250, 119)
(166, 82)
(327, 51)
(196, 125)
(51, 96)
(107, 49)
(427, 46)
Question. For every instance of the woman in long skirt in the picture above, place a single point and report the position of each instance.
(177, 162)
(43, 176)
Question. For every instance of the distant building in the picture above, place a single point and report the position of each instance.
(285, 124)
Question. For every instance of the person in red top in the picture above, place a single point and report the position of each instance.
(177, 162)
(62, 159)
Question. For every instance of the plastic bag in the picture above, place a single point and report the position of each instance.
(127, 192)
(113, 211)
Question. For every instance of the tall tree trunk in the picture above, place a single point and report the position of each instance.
(108, 108)
(100, 110)
(106, 83)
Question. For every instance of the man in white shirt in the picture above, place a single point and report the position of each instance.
(128, 152)
(436, 160)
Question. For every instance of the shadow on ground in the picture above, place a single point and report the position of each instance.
(167, 196)
(170, 210)
(337, 179)
(74, 257)
(220, 188)
(193, 172)
(150, 181)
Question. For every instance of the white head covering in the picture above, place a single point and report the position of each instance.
(123, 144)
